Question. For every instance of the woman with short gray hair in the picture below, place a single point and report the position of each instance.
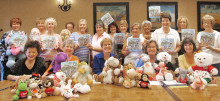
(147, 25)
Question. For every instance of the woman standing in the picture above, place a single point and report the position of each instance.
(70, 26)
(208, 23)
(147, 25)
(112, 29)
(82, 52)
(166, 33)
(182, 23)
(41, 26)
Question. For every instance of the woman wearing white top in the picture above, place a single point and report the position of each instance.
(208, 23)
(166, 32)
(132, 56)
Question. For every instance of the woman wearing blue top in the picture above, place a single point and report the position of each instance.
(99, 59)
(82, 52)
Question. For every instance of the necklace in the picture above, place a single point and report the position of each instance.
(29, 65)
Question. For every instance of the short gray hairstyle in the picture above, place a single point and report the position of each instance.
(136, 23)
(100, 23)
(50, 20)
(69, 41)
(146, 22)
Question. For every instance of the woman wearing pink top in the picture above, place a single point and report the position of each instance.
(51, 42)
(97, 38)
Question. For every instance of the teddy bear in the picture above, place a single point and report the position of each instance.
(183, 77)
(15, 49)
(112, 75)
(162, 69)
(35, 34)
(22, 91)
(198, 83)
(65, 34)
(203, 63)
(130, 76)
(83, 74)
(144, 81)
(48, 87)
(56, 63)
(148, 67)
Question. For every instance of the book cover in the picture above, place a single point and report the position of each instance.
(188, 33)
(107, 19)
(18, 39)
(119, 38)
(167, 44)
(154, 11)
(207, 38)
(83, 40)
(69, 68)
(49, 42)
(134, 44)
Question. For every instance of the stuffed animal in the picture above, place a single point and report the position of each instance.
(83, 74)
(49, 88)
(144, 82)
(183, 77)
(56, 63)
(148, 67)
(22, 91)
(67, 90)
(65, 34)
(34, 87)
(130, 75)
(35, 34)
(58, 77)
(163, 74)
(203, 63)
(199, 83)
(15, 49)
(82, 88)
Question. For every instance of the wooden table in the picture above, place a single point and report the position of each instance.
(101, 92)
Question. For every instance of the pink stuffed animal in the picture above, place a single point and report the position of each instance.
(198, 82)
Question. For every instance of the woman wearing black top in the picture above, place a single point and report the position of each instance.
(24, 68)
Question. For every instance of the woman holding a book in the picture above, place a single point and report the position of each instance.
(167, 38)
(188, 47)
(182, 23)
(51, 42)
(212, 37)
(147, 25)
(113, 29)
(82, 39)
(132, 47)
(24, 68)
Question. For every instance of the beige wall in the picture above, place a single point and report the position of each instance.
(29, 10)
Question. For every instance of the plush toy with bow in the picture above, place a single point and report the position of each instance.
(203, 64)
(59, 77)
(144, 81)
(83, 74)
(148, 67)
(22, 91)
(164, 74)
(49, 88)
(199, 83)
(35, 34)
(183, 77)
(56, 63)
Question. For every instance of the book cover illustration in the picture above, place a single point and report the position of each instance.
(107, 19)
(18, 39)
(134, 44)
(207, 38)
(83, 40)
(69, 68)
(35, 34)
(188, 33)
(154, 11)
(49, 42)
(119, 38)
(167, 44)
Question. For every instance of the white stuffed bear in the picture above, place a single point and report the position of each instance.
(203, 63)
(114, 69)
(35, 34)
(148, 67)
(163, 74)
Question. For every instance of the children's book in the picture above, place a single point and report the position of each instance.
(207, 38)
(49, 42)
(119, 38)
(107, 19)
(69, 68)
(188, 33)
(134, 44)
(83, 40)
(154, 11)
(18, 39)
(167, 44)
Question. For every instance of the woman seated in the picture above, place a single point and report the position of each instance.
(99, 59)
(24, 68)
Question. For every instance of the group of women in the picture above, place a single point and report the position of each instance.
(102, 45)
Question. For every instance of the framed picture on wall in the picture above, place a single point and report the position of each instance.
(211, 8)
(118, 10)
(154, 8)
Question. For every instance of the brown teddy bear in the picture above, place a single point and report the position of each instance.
(49, 88)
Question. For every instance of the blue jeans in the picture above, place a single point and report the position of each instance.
(2, 71)
(217, 66)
